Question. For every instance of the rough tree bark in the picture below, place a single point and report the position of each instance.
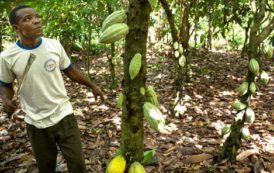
(132, 115)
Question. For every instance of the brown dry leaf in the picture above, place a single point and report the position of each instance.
(198, 123)
(198, 158)
(243, 155)
(259, 167)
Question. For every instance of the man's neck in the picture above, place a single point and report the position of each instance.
(29, 42)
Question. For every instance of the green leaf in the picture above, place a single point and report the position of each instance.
(149, 157)
(153, 3)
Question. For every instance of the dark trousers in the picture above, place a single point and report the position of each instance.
(66, 135)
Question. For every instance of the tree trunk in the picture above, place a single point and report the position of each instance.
(184, 36)
(175, 38)
(1, 39)
(132, 137)
(2, 33)
(246, 39)
(112, 66)
(110, 60)
(209, 32)
(88, 54)
(66, 41)
(233, 142)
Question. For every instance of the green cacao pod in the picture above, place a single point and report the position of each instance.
(226, 129)
(152, 95)
(238, 105)
(182, 61)
(154, 117)
(176, 45)
(115, 17)
(246, 134)
(176, 54)
(117, 165)
(264, 77)
(250, 115)
(120, 100)
(254, 66)
(252, 87)
(243, 88)
(142, 91)
(181, 49)
(114, 33)
(136, 167)
(135, 65)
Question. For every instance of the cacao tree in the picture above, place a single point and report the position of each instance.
(132, 115)
(262, 26)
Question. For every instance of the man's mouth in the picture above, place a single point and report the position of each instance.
(39, 28)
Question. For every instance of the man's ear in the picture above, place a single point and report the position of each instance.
(15, 27)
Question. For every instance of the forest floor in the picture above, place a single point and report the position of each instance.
(192, 138)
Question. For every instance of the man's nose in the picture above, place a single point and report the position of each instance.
(36, 20)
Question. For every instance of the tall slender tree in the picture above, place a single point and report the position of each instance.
(257, 35)
(132, 136)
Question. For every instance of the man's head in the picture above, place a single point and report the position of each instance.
(26, 22)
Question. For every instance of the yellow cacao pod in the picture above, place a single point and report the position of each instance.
(252, 87)
(117, 165)
(136, 167)
(250, 115)
(135, 65)
(243, 88)
(254, 66)
(115, 17)
(114, 33)
(152, 95)
(264, 77)
(238, 105)
(154, 117)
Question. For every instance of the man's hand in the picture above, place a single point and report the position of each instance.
(97, 92)
(9, 106)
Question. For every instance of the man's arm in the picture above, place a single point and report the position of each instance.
(6, 94)
(76, 76)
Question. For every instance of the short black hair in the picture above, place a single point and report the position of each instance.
(12, 15)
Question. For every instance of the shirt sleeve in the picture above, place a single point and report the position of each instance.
(6, 75)
(64, 59)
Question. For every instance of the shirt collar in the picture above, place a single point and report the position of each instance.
(18, 43)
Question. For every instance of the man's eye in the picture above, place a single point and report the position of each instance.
(27, 19)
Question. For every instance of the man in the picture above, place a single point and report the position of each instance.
(49, 114)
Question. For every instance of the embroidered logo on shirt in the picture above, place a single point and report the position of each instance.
(50, 65)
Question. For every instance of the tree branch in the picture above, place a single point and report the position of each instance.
(170, 19)
(259, 16)
(266, 31)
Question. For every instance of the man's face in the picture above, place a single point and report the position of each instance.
(28, 24)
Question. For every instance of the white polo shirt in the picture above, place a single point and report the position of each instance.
(43, 96)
